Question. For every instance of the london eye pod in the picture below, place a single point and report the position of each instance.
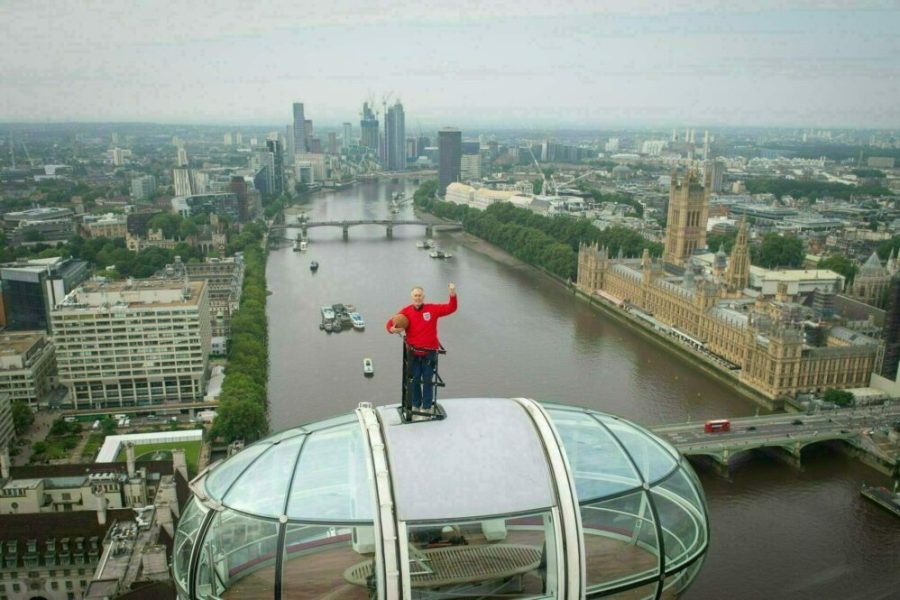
(505, 496)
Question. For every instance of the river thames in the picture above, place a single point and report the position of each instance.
(776, 532)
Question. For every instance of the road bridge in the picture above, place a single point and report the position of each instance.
(785, 434)
(279, 231)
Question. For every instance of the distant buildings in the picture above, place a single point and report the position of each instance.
(300, 140)
(143, 188)
(450, 157)
(348, 135)
(182, 157)
(51, 224)
(182, 181)
(224, 204)
(110, 225)
(130, 343)
(395, 138)
(274, 148)
(368, 129)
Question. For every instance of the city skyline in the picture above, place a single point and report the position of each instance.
(582, 64)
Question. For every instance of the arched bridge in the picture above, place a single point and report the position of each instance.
(388, 224)
(785, 434)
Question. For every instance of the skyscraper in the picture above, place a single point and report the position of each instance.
(308, 133)
(450, 157)
(274, 147)
(395, 138)
(182, 179)
(299, 129)
(348, 135)
(182, 157)
(369, 129)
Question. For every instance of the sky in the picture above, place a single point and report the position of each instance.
(514, 63)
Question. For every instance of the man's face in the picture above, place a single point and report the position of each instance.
(418, 297)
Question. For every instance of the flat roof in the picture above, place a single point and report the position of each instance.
(432, 462)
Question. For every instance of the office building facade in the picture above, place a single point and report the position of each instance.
(299, 128)
(395, 138)
(32, 288)
(27, 367)
(449, 157)
(368, 129)
(133, 343)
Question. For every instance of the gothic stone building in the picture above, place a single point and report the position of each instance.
(760, 336)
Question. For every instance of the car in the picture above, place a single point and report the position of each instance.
(796, 422)
(751, 428)
(845, 431)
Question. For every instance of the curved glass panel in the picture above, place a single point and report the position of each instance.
(319, 562)
(651, 459)
(238, 557)
(220, 478)
(261, 489)
(331, 482)
(188, 526)
(679, 581)
(597, 460)
(620, 542)
(682, 523)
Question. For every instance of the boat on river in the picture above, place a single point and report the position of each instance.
(314, 266)
(357, 321)
(439, 254)
(327, 313)
(303, 245)
(426, 245)
(368, 367)
(883, 497)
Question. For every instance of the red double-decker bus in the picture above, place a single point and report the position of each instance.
(717, 425)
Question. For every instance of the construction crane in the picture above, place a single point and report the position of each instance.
(27, 154)
(545, 187)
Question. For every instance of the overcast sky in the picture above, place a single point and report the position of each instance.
(507, 62)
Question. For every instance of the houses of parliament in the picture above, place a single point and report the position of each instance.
(780, 338)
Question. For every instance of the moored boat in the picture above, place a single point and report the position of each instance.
(426, 245)
(327, 313)
(357, 320)
(883, 497)
(368, 367)
(440, 254)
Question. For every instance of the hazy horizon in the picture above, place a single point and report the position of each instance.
(572, 65)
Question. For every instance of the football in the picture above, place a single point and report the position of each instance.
(400, 321)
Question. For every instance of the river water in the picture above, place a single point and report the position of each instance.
(776, 532)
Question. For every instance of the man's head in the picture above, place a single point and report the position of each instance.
(418, 296)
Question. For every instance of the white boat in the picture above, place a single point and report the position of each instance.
(327, 313)
(303, 245)
(368, 367)
(357, 320)
(426, 245)
(440, 254)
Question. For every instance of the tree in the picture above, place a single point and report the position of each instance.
(838, 397)
(22, 416)
(725, 240)
(779, 251)
(840, 264)
(240, 420)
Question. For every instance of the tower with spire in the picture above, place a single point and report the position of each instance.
(687, 216)
(737, 274)
(872, 281)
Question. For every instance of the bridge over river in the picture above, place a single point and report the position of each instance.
(787, 434)
(279, 230)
